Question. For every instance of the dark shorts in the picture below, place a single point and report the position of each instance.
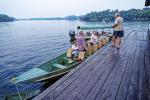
(118, 33)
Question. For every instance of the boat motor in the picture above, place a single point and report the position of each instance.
(72, 35)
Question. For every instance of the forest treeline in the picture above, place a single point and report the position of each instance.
(128, 15)
(6, 18)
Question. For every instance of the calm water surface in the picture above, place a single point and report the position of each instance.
(27, 44)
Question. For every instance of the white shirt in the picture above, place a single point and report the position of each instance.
(94, 39)
(119, 22)
(74, 47)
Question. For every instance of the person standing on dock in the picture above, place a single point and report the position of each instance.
(118, 30)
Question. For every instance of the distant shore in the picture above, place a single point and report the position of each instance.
(6, 18)
(107, 15)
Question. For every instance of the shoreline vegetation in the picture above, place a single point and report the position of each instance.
(107, 15)
(6, 18)
(128, 15)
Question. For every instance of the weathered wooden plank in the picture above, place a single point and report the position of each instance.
(100, 83)
(132, 93)
(122, 91)
(77, 81)
(141, 95)
(147, 72)
(110, 88)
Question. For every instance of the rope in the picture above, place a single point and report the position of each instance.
(18, 91)
(13, 80)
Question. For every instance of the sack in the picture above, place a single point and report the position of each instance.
(89, 51)
(99, 45)
(104, 41)
(69, 52)
(81, 55)
(94, 48)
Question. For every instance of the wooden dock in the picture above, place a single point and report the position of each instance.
(109, 74)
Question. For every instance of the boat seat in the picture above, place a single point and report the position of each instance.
(59, 66)
(81, 55)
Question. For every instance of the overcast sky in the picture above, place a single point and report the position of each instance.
(60, 8)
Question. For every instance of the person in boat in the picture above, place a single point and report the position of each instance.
(80, 41)
(94, 38)
(75, 51)
(118, 30)
(88, 34)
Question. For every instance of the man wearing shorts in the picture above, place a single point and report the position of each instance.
(118, 30)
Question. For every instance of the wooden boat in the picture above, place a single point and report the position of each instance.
(49, 70)
(23, 96)
(55, 67)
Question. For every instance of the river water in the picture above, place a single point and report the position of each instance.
(27, 44)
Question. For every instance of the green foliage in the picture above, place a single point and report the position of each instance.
(6, 18)
(130, 15)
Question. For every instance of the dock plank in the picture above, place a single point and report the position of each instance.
(122, 91)
(112, 83)
(103, 78)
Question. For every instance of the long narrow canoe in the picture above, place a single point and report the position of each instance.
(49, 70)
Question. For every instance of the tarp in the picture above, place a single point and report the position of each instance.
(147, 3)
(89, 27)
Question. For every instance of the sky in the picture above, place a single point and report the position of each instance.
(61, 8)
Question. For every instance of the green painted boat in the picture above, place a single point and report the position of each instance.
(23, 96)
(49, 70)
(55, 67)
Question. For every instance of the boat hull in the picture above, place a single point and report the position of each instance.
(48, 71)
